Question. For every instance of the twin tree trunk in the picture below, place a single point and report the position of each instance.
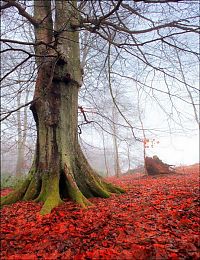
(60, 169)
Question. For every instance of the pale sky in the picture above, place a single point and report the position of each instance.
(177, 150)
(181, 146)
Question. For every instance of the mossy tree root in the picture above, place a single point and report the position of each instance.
(45, 187)
(73, 190)
(16, 195)
(95, 183)
(33, 188)
(19, 193)
(112, 188)
(49, 193)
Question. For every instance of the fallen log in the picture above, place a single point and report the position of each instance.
(155, 166)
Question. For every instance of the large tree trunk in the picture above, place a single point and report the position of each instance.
(60, 168)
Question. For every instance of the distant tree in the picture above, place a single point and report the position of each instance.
(135, 31)
(22, 125)
(115, 143)
(16, 90)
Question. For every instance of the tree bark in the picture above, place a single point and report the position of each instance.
(20, 142)
(115, 144)
(104, 152)
(60, 168)
(22, 134)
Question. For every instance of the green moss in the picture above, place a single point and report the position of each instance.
(77, 196)
(94, 182)
(11, 198)
(98, 190)
(50, 203)
(32, 190)
(44, 189)
(50, 195)
(112, 188)
(87, 202)
(15, 195)
(74, 193)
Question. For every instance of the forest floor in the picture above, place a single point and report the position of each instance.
(157, 218)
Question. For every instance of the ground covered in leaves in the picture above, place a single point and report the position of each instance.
(157, 218)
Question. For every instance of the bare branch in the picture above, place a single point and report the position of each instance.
(18, 65)
(158, 90)
(15, 110)
(22, 11)
(84, 115)
(111, 12)
(25, 43)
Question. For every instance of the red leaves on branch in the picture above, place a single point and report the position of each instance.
(150, 142)
(157, 218)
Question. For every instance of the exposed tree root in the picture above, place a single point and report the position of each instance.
(51, 187)
(15, 195)
(19, 193)
(33, 189)
(112, 188)
(73, 190)
(49, 193)
(50, 203)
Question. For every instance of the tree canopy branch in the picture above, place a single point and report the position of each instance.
(21, 10)
(15, 110)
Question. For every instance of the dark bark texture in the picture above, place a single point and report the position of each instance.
(60, 168)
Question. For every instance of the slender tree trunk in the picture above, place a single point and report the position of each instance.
(104, 153)
(128, 155)
(60, 168)
(116, 152)
(143, 133)
(20, 150)
(22, 133)
(105, 158)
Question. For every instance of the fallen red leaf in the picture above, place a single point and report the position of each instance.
(157, 218)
